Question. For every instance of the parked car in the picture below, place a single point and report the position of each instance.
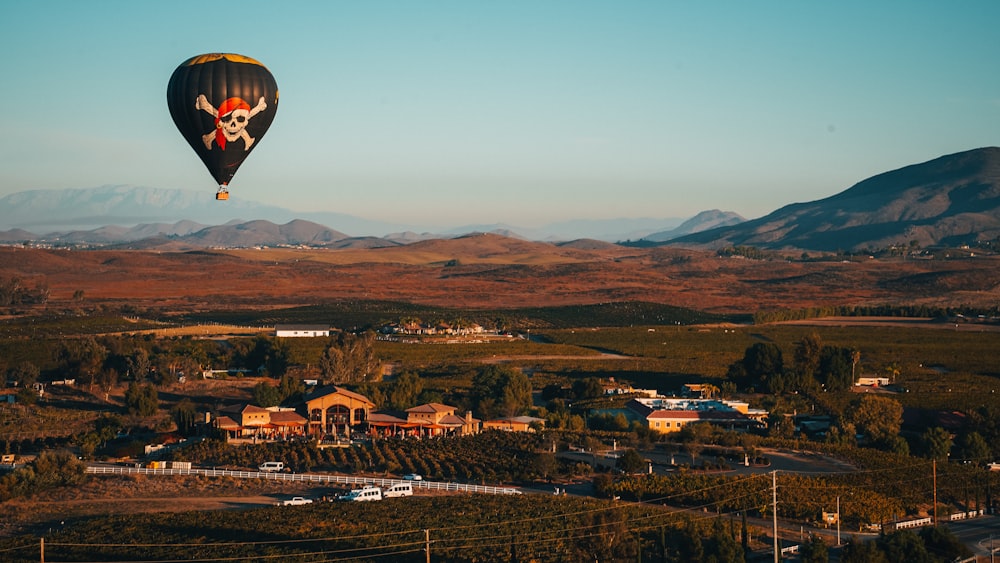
(295, 501)
(413, 477)
(271, 466)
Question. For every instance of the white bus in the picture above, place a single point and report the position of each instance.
(367, 493)
(398, 490)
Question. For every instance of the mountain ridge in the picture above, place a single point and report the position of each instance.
(950, 200)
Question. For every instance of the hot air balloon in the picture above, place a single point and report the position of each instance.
(222, 103)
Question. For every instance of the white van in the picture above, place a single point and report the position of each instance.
(271, 466)
(399, 490)
(366, 493)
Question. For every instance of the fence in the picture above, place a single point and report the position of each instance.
(964, 515)
(304, 478)
(906, 524)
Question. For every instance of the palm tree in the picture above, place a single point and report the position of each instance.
(892, 370)
(855, 359)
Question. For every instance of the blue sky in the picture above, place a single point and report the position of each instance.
(516, 112)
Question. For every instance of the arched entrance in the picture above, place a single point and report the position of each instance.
(338, 420)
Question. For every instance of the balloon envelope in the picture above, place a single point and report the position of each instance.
(222, 103)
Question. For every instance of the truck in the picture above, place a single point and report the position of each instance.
(295, 501)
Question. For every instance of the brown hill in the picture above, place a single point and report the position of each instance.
(263, 233)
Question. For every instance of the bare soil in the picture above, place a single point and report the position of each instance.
(131, 494)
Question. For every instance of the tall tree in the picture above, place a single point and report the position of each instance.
(404, 390)
(138, 365)
(587, 388)
(807, 353)
(24, 374)
(500, 391)
(141, 400)
(814, 550)
(631, 461)
(878, 418)
(859, 550)
(761, 363)
(185, 416)
(836, 368)
(935, 443)
(82, 359)
(973, 447)
(350, 358)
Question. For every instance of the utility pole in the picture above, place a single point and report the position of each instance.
(838, 519)
(42, 549)
(427, 544)
(774, 513)
(934, 468)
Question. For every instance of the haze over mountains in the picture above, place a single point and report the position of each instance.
(124, 213)
(951, 200)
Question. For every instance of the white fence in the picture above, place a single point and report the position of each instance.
(303, 478)
(964, 515)
(906, 524)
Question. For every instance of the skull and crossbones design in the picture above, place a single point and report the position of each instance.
(231, 119)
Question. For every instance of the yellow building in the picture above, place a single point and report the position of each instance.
(335, 411)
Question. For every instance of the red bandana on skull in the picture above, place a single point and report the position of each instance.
(227, 107)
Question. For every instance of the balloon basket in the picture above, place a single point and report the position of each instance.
(222, 196)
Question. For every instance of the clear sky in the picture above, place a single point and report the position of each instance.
(517, 112)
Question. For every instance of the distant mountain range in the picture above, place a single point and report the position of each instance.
(951, 200)
(125, 213)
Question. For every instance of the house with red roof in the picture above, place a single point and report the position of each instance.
(431, 419)
(250, 422)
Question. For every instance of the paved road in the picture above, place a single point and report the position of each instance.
(977, 533)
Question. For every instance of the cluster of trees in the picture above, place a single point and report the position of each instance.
(499, 391)
(107, 361)
(912, 311)
(288, 390)
(49, 470)
(930, 545)
(751, 252)
(14, 292)
(23, 376)
(763, 367)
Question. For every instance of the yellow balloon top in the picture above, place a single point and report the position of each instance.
(209, 57)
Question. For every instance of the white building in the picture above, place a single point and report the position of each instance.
(301, 331)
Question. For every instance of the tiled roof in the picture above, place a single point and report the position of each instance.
(431, 407)
(452, 419)
(334, 390)
(382, 417)
(696, 415)
(287, 418)
(226, 423)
